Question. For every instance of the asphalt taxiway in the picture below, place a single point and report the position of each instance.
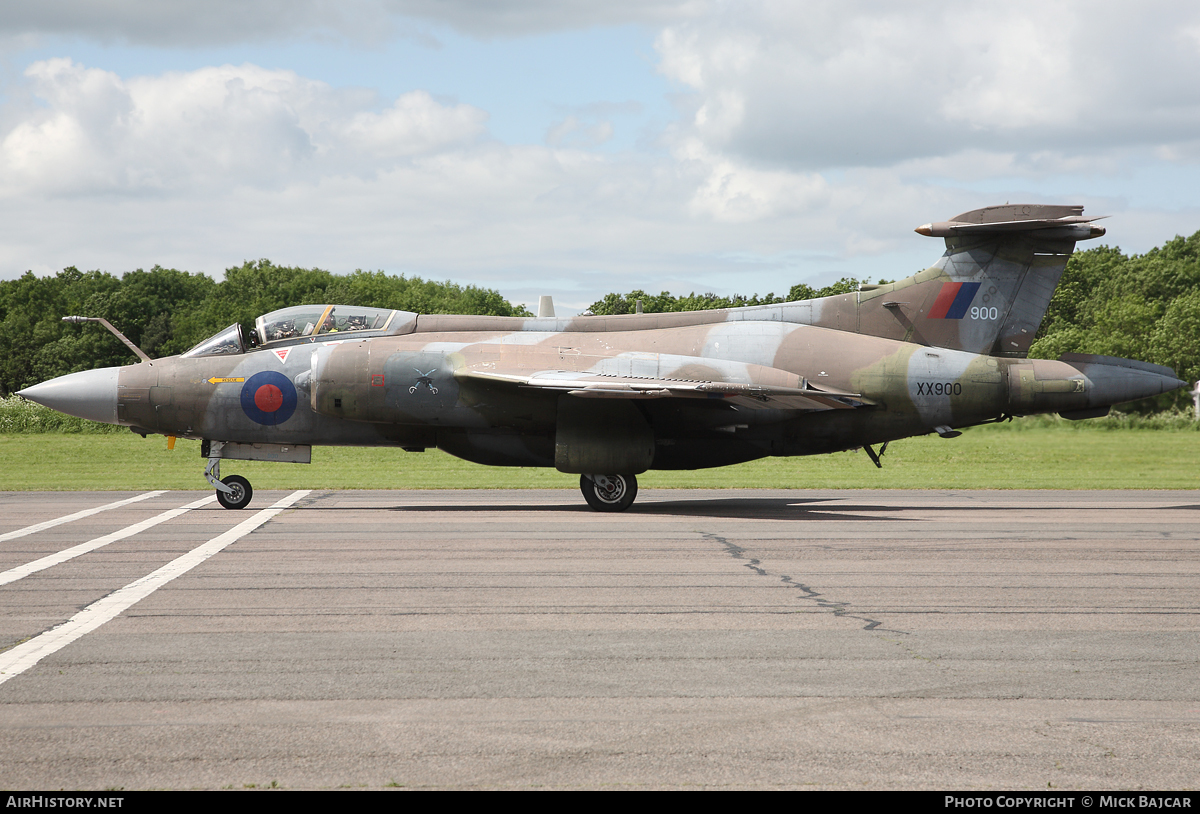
(516, 639)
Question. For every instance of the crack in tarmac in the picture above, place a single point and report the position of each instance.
(755, 565)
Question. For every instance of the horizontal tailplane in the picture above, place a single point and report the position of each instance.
(991, 288)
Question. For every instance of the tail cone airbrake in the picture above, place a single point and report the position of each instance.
(1084, 386)
(1115, 381)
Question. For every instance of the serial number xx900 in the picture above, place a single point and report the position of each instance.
(939, 389)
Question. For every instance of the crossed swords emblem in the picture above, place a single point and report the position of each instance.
(423, 379)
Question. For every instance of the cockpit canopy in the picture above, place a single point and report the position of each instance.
(315, 320)
(300, 322)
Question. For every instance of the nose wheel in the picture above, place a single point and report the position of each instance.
(239, 494)
(608, 493)
(233, 492)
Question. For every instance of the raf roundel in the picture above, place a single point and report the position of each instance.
(268, 398)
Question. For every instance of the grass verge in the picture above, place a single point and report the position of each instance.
(1022, 455)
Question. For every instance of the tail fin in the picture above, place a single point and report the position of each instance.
(989, 291)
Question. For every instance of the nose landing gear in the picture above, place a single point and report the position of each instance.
(233, 492)
(608, 493)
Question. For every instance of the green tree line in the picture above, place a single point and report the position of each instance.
(1143, 307)
(613, 304)
(167, 311)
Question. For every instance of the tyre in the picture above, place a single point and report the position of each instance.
(240, 497)
(608, 493)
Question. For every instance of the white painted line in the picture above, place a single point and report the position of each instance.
(13, 574)
(20, 658)
(49, 524)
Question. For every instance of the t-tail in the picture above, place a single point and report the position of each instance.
(988, 292)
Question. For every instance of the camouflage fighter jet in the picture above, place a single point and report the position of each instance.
(609, 397)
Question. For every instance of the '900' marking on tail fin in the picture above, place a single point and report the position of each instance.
(953, 300)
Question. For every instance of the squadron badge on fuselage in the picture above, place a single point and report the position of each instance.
(423, 379)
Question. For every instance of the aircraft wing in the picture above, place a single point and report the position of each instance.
(750, 395)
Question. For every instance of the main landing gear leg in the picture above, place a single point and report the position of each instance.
(233, 492)
(608, 493)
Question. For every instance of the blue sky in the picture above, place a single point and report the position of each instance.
(576, 148)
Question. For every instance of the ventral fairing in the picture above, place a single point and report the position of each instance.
(610, 397)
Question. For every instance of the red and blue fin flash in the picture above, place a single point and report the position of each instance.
(953, 300)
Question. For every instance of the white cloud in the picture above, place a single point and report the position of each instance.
(203, 169)
(811, 140)
(414, 125)
(217, 127)
(195, 23)
(524, 17)
(198, 23)
(736, 193)
(872, 83)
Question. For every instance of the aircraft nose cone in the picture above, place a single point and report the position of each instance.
(90, 394)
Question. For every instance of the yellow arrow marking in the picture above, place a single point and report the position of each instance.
(215, 380)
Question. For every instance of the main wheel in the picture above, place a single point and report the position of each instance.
(240, 497)
(608, 493)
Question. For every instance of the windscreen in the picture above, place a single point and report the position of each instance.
(228, 341)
